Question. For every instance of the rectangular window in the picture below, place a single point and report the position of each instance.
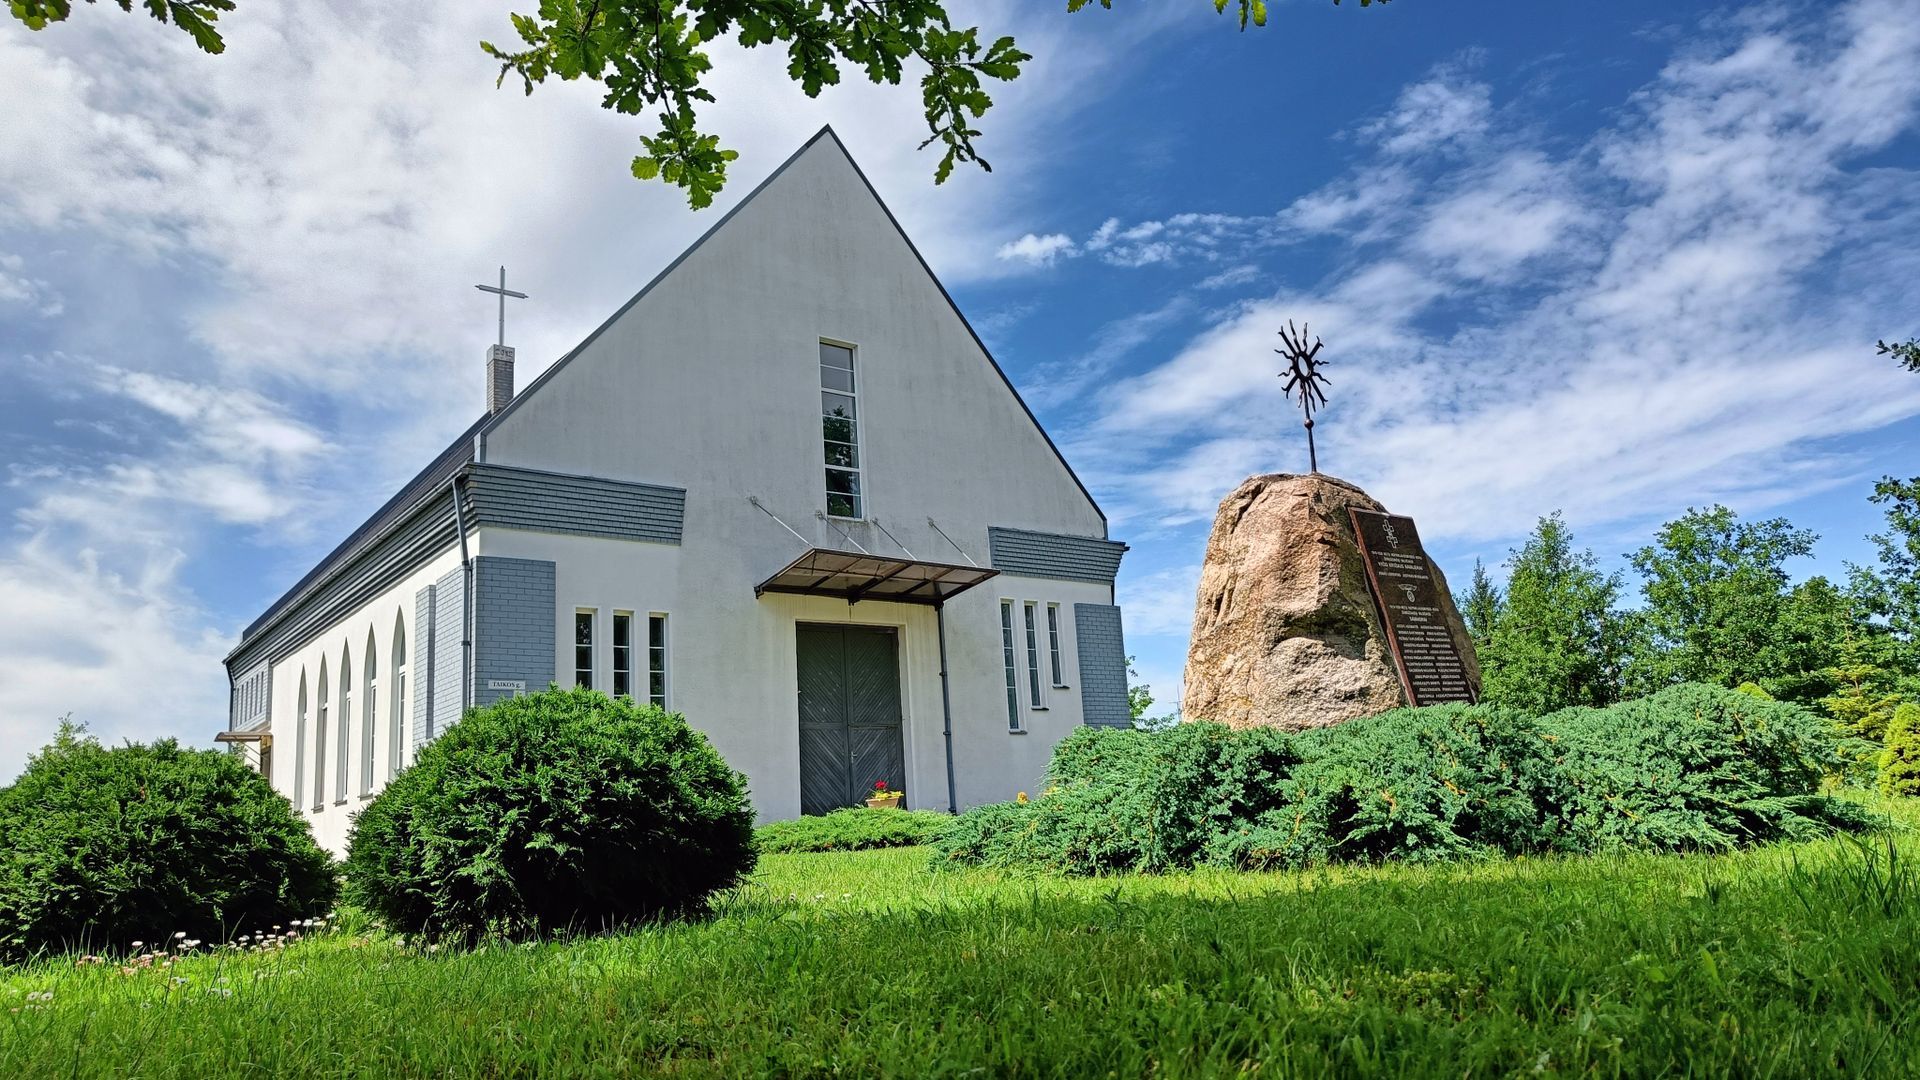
(395, 751)
(1033, 660)
(623, 654)
(840, 431)
(1053, 646)
(657, 660)
(583, 649)
(1013, 670)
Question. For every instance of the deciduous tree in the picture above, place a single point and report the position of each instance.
(1716, 589)
(1559, 639)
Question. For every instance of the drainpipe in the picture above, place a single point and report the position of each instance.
(946, 703)
(466, 602)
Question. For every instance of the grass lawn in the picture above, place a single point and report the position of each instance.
(1793, 961)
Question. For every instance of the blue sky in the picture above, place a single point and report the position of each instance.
(1607, 258)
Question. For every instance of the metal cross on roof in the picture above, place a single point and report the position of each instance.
(1304, 378)
(504, 293)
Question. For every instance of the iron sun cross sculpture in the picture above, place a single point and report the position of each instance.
(1304, 379)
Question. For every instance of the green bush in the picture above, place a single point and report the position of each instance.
(855, 828)
(1900, 761)
(1690, 768)
(553, 811)
(102, 847)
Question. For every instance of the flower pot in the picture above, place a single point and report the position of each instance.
(885, 804)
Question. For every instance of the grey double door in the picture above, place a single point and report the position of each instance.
(849, 714)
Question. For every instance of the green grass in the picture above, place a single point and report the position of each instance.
(1792, 961)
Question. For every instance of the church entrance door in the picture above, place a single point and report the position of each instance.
(850, 724)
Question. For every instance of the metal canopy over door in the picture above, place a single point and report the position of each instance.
(850, 732)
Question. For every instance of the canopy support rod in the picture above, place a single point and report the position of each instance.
(896, 540)
(822, 515)
(949, 540)
(755, 500)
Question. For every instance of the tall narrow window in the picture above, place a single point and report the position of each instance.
(583, 649)
(657, 660)
(1033, 660)
(345, 738)
(623, 654)
(320, 744)
(1053, 645)
(396, 720)
(372, 717)
(300, 744)
(1013, 669)
(840, 431)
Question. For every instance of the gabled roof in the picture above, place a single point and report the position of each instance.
(827, 133)
(471, 445)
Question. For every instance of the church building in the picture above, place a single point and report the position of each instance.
(784, 490)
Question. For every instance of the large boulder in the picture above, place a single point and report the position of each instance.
(1285, 633)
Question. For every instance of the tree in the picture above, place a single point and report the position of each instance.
(1907, 352)
(1900, 761)
(195, 17)
(1892, 588)
(1715, 592)
(1559, 639)
(648, 55)
(1816, 619)
(1480, 606)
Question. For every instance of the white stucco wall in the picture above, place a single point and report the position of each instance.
(732, 663)
(331, 820)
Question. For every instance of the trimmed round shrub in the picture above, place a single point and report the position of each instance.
(557, 811)
(854, 828)
(101, 847)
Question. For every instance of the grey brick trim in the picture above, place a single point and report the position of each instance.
(513, 611)
(1054, 555)
(449, 659)
(251, 696)
(420, 668)
(514, 498)
(1103, 665)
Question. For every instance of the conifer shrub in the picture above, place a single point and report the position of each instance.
(855, 828)
(1690, 768)
(550, 812)
(101, 847)
(1900, 761)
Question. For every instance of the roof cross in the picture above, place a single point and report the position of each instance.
(504, 293)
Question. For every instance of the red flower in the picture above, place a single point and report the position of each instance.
(879, 785)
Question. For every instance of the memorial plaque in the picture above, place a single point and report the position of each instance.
(1410, 607)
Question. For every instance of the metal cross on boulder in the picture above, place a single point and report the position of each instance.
(1304, 379)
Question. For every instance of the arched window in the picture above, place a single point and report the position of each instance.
(370, 715)
(396, 738)
(320, 744)
(344, 735)
(300, 743)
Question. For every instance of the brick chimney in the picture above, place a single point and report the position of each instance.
(499, 377)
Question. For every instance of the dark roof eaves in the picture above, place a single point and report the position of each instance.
(425, 484)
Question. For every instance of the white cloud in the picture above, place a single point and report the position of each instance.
(1617, 329)
(1037, 250)
(1446, 110)
(19, 290)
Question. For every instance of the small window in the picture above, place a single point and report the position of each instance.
(370, 717)
(623, 654)
(1012, 665)
(1033, 659)
(657, 660)
(583, 649)
(840, 431)
(1053, 646)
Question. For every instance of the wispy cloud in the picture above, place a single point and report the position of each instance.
(1617, 328)
(1038, 250)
